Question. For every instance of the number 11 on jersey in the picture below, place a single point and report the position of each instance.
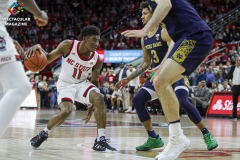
(77, 73)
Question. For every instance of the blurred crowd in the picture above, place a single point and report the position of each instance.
(67, 18)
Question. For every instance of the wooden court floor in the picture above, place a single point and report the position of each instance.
(74, 140)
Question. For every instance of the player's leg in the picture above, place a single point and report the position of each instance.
(139, 101)
(130, 108)
(113, 100)
(65, 101)
(96, 98)
(178, 142)
(184, 58)
(119, 100)
(235, 93)
(182, 94)
(17, 86)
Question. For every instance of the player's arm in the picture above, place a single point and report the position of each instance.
(40, 16)
(96, 72)
(61, 50)
(144, 65)
(168, 40)
(161, 11)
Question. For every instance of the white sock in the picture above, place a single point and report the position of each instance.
(47, 130)
(175, 129)
(101, 132)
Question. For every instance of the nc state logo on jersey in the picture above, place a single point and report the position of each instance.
(2, 44)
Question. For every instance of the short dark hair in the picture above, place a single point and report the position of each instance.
(130, 65)
(89, 30)
(145, 5)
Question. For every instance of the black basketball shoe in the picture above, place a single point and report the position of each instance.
(36, 141)
(102, 145)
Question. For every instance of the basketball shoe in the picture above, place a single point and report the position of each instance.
(151, 144)
(129, 110)
(36, 141)
(102, 145)
(210, 141)
(176, 145)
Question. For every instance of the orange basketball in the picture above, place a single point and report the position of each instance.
(37, 62)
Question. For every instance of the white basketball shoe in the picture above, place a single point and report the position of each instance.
(129, 110)
(176, 145)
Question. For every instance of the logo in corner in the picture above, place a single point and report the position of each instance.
(15, 8)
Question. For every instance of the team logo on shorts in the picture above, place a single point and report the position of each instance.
(183, 51)
(2, 44)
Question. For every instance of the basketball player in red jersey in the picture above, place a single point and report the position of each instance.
(14, 82)
(79, 58)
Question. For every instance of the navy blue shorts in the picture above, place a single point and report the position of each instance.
(182, 82)
(191, 50)
(131, 89)
(149, 85)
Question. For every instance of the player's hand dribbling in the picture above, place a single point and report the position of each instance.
(121, 84)
(31, 51)
(89, 114)
(41, 20)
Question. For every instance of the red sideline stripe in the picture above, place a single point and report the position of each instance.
(85, 93)
(67, 99)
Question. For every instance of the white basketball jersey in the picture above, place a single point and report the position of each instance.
(76, 68)
(7, 49)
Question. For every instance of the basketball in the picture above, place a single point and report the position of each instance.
(37, 62)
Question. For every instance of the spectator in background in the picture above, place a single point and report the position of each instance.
(238, 51)
(234, 50)
(219, 77)
(113, 46)
(122, 73)
(201, 96)
(201, 76)
(111, 77)
(193, 77)
(107, 91)
(133, 87)
(116, 101)
(209, 76)
(52, 83)
(226, 87)
(44, 89)
(224, 72)
(113, 35)
(234, 76)
(224, 58)
(228, 66)
(44, 38)
(102, 78)
(121, 44)
(237, 37)
(214, 87)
